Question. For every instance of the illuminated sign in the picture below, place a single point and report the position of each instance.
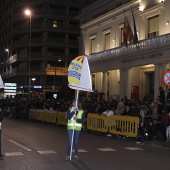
(10, 88)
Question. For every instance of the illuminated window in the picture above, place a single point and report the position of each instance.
(153, 26)
(93, 44)
(55, 24)
(107, 41)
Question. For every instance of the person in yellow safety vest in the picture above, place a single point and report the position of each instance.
(1, 118)
(75, 117)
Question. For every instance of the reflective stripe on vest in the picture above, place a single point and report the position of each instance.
(72, 124)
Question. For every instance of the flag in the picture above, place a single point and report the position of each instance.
(135, 31)
(79, 74)
(127, 33)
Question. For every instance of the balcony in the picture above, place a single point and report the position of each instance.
(154, 43)
(11, 60)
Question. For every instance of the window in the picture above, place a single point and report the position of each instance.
(153, 26)
(107, 41)
(93, 44)
(121, 36)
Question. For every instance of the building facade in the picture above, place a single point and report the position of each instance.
(47, 40)
(134, 70)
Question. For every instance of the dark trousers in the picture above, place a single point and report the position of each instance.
(141, 132)
(75, 141)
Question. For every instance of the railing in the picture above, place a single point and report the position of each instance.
(143, 44)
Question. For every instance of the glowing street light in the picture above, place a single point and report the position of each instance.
(28, 13)
(33, 79)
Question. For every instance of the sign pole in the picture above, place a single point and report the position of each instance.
(166, 80)
(72, 139)
(165, 104)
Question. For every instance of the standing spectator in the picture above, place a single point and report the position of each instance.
(127, 111)
(120, 108)
(160, 107)
(168, 95)
(108, 113)
(96, 95)
(76, 117)
(141, 128)
(153, 106)
(99, 108)
(162, 94)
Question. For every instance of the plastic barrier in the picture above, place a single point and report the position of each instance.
(120, 125)
(40, 115)
(61, 118)
(124, 125)
(97, 123)
(51, 116)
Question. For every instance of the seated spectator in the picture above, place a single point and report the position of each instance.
(158, 131)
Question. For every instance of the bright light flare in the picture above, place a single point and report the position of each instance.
(27, 12)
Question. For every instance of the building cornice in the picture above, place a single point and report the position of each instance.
(155, 9)
(111, 15)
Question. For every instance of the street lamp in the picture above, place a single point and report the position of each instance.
(33, 79)
(28, 13)
(7, 50)
(55, 75)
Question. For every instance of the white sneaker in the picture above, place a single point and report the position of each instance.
(118, 136)
(140, 143)
(67, 158)
(109, 135)
(76, 157)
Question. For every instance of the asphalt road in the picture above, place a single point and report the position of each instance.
(31, 145)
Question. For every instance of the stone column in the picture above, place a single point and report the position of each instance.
(157, 80)
(128, 83)
(122, 84)
(104, 84)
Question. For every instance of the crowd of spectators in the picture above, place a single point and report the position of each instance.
(150, 111)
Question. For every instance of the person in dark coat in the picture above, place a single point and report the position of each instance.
(127, 111)
(162, 95)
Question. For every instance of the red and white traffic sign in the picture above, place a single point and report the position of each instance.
(166, 78)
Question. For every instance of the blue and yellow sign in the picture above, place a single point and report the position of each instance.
(75, 70)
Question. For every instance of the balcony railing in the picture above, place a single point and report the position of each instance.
(142, 45)
(12, 59)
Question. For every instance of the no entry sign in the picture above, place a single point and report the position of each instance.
(166, 78)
